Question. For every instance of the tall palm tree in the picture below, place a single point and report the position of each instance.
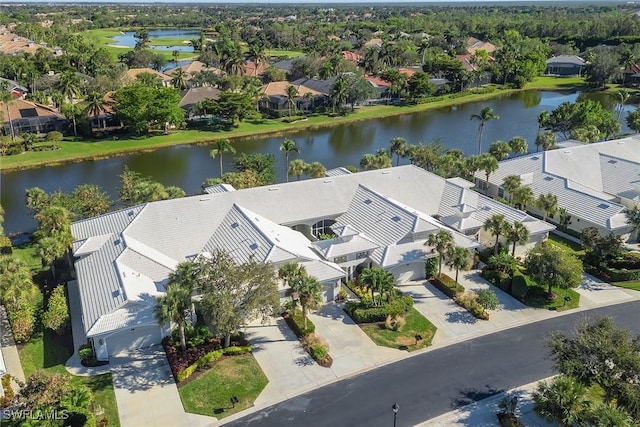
(441, 242)
(548, 204)
(510, 183)
(500, 150)
(220, 147)
(543, 120)
(523, 196)
(49, 249)
(399, 147)
(458, 258)
(176, 305)
(338, 93)
(72, 112)
(488, 164)
(287, 147)
(518, 145)
(292, 94)
(179, 79)
(69, 85)
(546, 140)
(496, 226)
(16, 280)
(516, 233)
(297, 167)
(257, 55)
(289, 271)
(623, 96)
(377, 280)
(6, 97)
(95, 106)
(309, 293)
(485, 115)
(315, 170)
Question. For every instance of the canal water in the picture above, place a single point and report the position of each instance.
(188, 166)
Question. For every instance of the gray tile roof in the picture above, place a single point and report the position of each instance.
(565, 59)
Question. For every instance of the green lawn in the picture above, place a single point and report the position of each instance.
(44, 351)
(288, 53)
(27, 253)
(569, 246)
(537, 297)
(628, 285)
(209, 393)
(557, 83)
(405, 339)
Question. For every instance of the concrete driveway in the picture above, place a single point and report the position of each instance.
(146, 392)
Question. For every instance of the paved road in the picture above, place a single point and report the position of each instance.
(430, 384)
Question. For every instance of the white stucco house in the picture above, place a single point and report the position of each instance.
(595, 183)
(379, 218)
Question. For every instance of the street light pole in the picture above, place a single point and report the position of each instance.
(395, 409)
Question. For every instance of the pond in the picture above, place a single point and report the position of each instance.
(127, 38)
(188, 166)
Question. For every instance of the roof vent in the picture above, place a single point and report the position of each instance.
(620, 142)
(130, 213)
(567, 151)
(253, 246)
(603, 206)
(274, 189)
(548, 178)
(235, 225)
(204, 199)
(535, 158)
(368, 202)
(326, 181)
(385, 172)
(116, 242)
(612, 161)
(396, 218)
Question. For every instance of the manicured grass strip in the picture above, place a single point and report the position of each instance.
(628, 285)
(288, 53)
(209, 393)
(537, 297)
(27, 253)
(559, 83)
(405, 338)
(44, 352)
(571, 247)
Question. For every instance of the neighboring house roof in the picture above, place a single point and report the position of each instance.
(376, 42)
(11, 44)
(474, 44)
(194, 67)
(131, 74)
(15, 88)
(250, 68)
(376, 81)
(287, 64)
(322, 86)
(566, 59)
(280, 89)
(587, 179)
(337, 171)
(407, 71)
(22, 109)
(126, 256)
(352, 56)
(634, 69)
(198, 94)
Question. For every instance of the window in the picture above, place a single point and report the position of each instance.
(340, 259)
(361, 255)
(501, 193)
(322, 227)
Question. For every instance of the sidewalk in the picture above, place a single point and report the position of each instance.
(10, 351)
(484, 412)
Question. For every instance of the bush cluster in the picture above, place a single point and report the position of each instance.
(362, 312)
(87, 355)
(296, 323)
(236, 350)
(317, 349)
(471, 304)
(7, 400)
(447, 285)
(204, 361)
(23, 319)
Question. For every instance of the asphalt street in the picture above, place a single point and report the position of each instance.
(430, 384)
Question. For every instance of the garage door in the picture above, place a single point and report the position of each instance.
(144, 336)
(407, 272)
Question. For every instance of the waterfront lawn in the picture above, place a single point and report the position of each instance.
(556, 83)
(405, 338)
(208, 393)
(276, 53)
(27, 253)
(48, 352)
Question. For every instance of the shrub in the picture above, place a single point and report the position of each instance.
(203, 361)
(14, 150)
(394, 323)
(80, 417)
(22, 323)
(469, 303)
(447, 285)
(7, 400)
(54, 136)
(363, 313)
(296, 323)
(317, 349)
(237, 350)
(57, 315)
(87, 356)
(487, 299)
(431, 267)
(519, 287)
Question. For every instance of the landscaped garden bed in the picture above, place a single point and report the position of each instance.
(317, 348)
(455, 291)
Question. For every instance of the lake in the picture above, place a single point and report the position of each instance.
(127, 39)
(188, 166)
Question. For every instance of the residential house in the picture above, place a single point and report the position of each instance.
(352, 57)
(30, 117)
(130, 76)
(474, 44)
(12, 44)
(195, 95)
(631, 75)
(565, 65)
(594, 183)
(17, 90)
(251, 69)
(378, 218)
(276, 99)
(192, 68)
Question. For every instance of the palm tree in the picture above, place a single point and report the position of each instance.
(16, 281)
(179, 79)
(543, 120)
(175, 54)
(72, 112)
(315, 170)
(292, 94)
(309, 293)
(516, 233)
(6, 98)
(523, 196)
(49, 249)
(485, 115)
(297, 167)
(220, 147)
(287, 147)
(399, 147)
(488, 164)
(496, 226)
(441, 242)
(564, 401)
(95, 106)
(257, 55)
(518, 145)
(458, 258)
(69, 85)
(548, 204)
(338, 93)
(546, 140)
(500, 150)
(510, 184)
(377, 279)
(175, 306)
(623, 96)
(289, 271)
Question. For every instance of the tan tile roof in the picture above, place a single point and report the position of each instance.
(133, 73)
(194, 67)
(10, 44)
(280, 88)
(20, 108)
(474, 44)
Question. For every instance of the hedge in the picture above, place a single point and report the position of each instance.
(470, 304)
(296, 323)
(364, 313)
(619, 275)
(519, 287)
(236, 350)
(205, 360)
(447, 285)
